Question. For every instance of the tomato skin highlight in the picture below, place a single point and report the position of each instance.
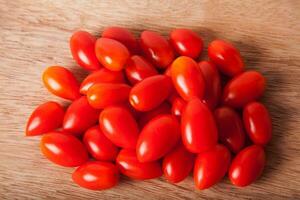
(247, 166)
(119, 126)
(198, 127)
(211, 166)
(227, 58)
(157, 138)
(243, 89)
(258, 123)
(96, 175)
(63, 149)
(61, 82)
(45, 118)
(178, 105)
(130, 166)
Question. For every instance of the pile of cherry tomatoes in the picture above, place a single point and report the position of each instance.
(148, 108)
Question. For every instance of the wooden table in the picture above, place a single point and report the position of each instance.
(34, 34)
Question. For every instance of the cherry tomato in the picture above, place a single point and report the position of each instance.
(112, 54)
(157, 49)
(187, 78)
(243, 89)
(178, 105)
(80, 116)
(119, 126)
(247, 166)
(211, 166)
(101, 95)
(257, 123)
(227, 58)
(150, 93)
(63, 149)
(101, 76)
(61, 82)
(157, 138)
(137, 69)
(98, 145)
(230, 126)
(212, 81)
(199, 131)
(122, 35)
(131, 167)
(168, 70)
(46, 117)
(178, 164)
(186, 42)
(96, 175)
(82, 45)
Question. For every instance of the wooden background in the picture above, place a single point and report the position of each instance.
(34, 34)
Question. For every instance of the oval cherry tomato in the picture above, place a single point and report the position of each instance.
(157, 49)
(211, 166)
(101, 76)
(227, 58)
(257, 123)
(157, 138)
(82, 45)
(46, 117)
(230, 126)
(80, 116)
(112, 54)
(243, 89)
(212, 81)
(119, 126)
(131, 167)
(61, 82)
(168, 70)
(101, 95)
(137, 69)
(247, 166)
(99, 146)
(150, 93)
(63, 149)
(187, 78)
(178, 105)
(199, 131)
(186, 42)
(96, 175)
(178, 164)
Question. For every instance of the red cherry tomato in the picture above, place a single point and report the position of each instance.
(178, 164)
(101, 76)
(247, 166)
(137, 69)
(82, 45)
(199, 131)
(96, 175)
(227, 58)
(186, 42)
(150, 93)
(101, 95)
(131, 167)
(211, 166)
(187, 78)
(63, 149)
(80, 116)
(178, 105)
(212, 81)
(157, 138)
(157, 48)
(61, 82)
(46, 117)
(257, 123)
(99, 146)
(243, 89)
(168, 70)
(230, 126)
(112, 54)
(119, 126)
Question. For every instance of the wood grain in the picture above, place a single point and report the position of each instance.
(34, 34)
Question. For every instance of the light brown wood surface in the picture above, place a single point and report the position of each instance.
(34, 34)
